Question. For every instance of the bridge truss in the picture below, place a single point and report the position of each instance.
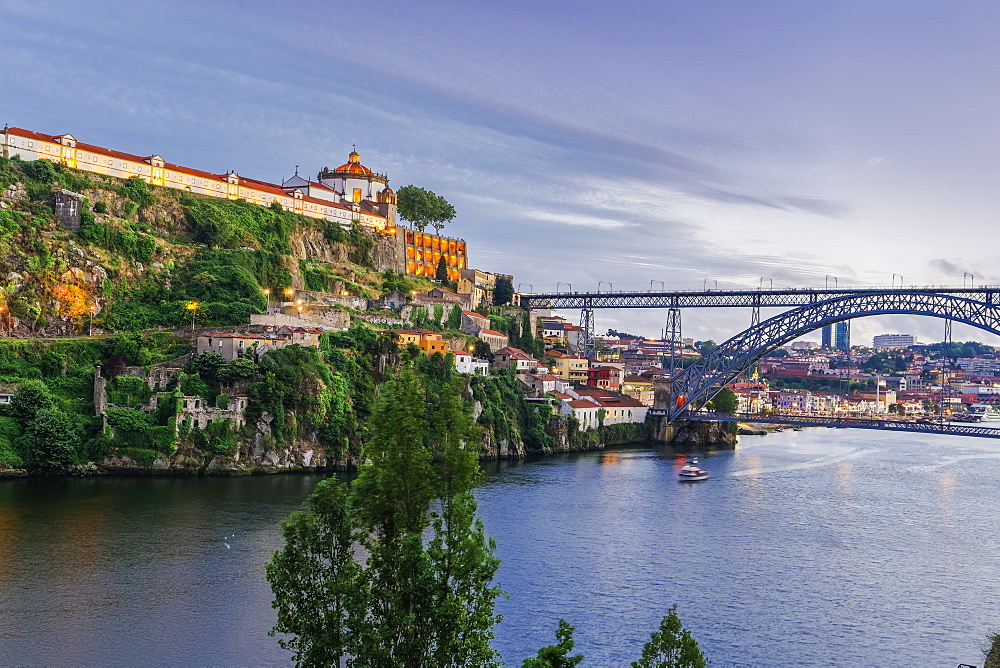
(856, 423)
(714, 370)
(732, 298)
(811, 309)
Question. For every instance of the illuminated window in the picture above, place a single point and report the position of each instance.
(357, 194)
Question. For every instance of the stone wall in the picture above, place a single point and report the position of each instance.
(67, 206)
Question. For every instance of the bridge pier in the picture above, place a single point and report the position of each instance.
(694, 434)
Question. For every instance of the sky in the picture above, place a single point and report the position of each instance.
(717, 144)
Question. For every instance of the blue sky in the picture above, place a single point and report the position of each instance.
(726, 143)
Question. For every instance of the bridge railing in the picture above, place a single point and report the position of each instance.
(884, 424)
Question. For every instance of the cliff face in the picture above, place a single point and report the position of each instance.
(695, 435)
(74, 246)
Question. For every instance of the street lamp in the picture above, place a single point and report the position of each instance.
(900, 276)
(663, 286)
(193, 307)
(612, 285)
(289, 292)
(972, 282)
(528, 284)
(765, 278)
(827, 281)
(90, 325)
(300, 310)
(704, 285)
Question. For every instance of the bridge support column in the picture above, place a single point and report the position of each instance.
(673, 337)
(588, 345)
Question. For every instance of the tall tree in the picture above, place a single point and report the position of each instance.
(441, 273)
(503, 292)
(455, 318)
(422, 208)
(672, 646)
(408, 603)
(315, 578)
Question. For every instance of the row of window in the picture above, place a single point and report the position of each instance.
(178, 178)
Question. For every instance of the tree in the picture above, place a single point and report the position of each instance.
(412, 602)
(671, 646)
(441, 274)
(726, 401)
(31, 396)
(503, 293)
(49, 440)
(454, 318)
(422, 208)
(315, 577)
(555, 656)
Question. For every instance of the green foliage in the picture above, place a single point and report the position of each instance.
(42, 171)
(49, 440)
(503, 293)
(314, 578)
(30, 397)
(232, 224)
(131, 429)
(120, 238)
(422, 207)
(9, 431)
(672, 646)
(454, 318)
(507, 415)
(991, 650)
(362, 244)
(240, 368)
(408, 603)
(726, 401)
(392, 280)
(137, 190)
(441, 273)
(128, 391)
(556, 656)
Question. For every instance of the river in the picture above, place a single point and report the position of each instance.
(818, 547)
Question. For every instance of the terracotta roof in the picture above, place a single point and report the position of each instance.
(253, 184)
(582, 403)
(229, 335)
(492, 332)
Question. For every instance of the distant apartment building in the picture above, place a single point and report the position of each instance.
(837, 336)
(893, 341)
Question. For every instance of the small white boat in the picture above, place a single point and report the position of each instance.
(691, 472)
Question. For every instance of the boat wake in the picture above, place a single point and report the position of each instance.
(815, 463)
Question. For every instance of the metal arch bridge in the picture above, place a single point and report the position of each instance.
(917, 426)
(732, 298)
(813, 309)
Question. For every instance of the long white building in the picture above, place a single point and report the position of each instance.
(893, 341)
(358, 198)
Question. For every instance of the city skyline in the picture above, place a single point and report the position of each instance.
(727, 146)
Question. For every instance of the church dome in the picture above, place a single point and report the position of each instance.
(353, 165)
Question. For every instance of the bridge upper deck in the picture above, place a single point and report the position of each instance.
(734, 298)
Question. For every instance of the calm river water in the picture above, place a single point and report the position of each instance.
(819, 547)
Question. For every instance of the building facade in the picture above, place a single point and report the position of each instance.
(349, 193)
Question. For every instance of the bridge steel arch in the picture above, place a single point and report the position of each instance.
(704, 378)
